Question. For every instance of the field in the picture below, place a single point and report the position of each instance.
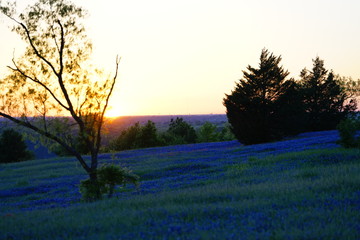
(302, 188)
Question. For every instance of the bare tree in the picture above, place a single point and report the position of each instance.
(54, 78)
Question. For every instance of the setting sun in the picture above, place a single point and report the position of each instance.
(114, 112)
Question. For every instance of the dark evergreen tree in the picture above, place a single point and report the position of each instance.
(13, 147)
(258, 108)
(324, 97)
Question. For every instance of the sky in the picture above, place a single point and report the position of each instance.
(182, 57)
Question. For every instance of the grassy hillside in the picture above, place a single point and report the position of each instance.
(303, 188)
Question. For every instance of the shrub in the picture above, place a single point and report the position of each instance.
(208, 133)
(136, 136)
(13, 147)
(109, 175)
(148, 136)
(349, 133)
(226, 134)
(127, 138)
(90, 190)
(179, 132)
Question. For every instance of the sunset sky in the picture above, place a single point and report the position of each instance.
(181, 57)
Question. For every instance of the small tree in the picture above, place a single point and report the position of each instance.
(325, 97)
(226, 134)
(259, 101)
(109, 176)
(179, 132)
(136, 136)
(148, 135)
(13, 147)
(349, 131)
(128, 138)
(54, 77)
(208, 133)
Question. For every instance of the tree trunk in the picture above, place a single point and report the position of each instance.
(111, 190)
(96, 191)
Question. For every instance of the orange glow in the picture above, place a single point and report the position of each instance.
(113, 112)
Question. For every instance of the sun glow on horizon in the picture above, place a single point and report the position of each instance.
(113, 112)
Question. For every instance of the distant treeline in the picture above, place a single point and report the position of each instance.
(179, 132)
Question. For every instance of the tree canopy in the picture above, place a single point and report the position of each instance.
(324, 97)
(266, 106)
(255, 106)
(13, 147)
(54, 77)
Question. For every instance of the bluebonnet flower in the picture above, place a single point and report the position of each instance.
(172, 167)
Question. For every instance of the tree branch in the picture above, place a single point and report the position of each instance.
(98, 140)
(17, 69)
(35, 49)
(50, 136)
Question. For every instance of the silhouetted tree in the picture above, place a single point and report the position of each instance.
(13, 147)
(259, 101)
(148, 135)
(54, 77)
(324, 97)
(179, 132)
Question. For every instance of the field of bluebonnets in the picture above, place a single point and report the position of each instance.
(302, 188)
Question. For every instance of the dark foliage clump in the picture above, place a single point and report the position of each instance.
(265, 106)
(259, 107)
(13, 147)
(208, 133)
(349, 130)
(324, 98)
(77, 143)
(179, 132)
(136, 136)
(108, 177)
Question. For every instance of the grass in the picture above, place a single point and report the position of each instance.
(305, 188)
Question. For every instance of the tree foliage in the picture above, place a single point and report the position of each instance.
(208, 133)
(54, 77)
(136, 136)
(349, 131)
(13, 147)
(109, 175)
(324, 97)
(265, 106)
(148, 136)
(179, 132)
(256, 108)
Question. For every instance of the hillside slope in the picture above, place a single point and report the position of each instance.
(299, 188)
